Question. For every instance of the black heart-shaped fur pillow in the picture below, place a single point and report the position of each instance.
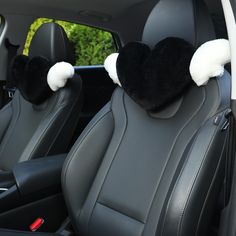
(30, 77)
(155, 78)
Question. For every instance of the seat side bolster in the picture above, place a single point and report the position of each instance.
(84, 159)
(196, 187)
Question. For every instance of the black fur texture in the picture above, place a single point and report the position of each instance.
(155, 78)
(30, 77)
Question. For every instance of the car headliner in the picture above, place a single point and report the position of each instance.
(102, 7)
(107, 14)
(110, 14)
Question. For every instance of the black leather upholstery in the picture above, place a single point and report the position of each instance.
(151, 174)
(50, 41)
(133, 173)
(144, 173)
(29, 131)
(185, 19)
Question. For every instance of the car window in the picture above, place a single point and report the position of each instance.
(2, 23)
(91, 45)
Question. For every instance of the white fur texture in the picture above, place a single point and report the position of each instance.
(110, 66)
(59, 74)
(209, 60)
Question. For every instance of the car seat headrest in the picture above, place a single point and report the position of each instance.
(186, 19)
(50, 41)
(30, 76)
(153, 78)
(49, 46)
(37, 80)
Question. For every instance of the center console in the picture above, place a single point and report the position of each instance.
(33, 188)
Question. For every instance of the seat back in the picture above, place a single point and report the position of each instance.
(134, 173)
(30, 131)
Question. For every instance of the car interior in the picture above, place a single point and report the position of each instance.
(152, 155)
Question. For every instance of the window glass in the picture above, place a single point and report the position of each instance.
(2, 23)
(91, 45)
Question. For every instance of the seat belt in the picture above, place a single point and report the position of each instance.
(228, 215)
(230, 156)
(12, 49)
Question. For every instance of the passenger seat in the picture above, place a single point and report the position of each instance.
(29, 131)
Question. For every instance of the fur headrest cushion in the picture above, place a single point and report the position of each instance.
(30, 76)
(155, 78)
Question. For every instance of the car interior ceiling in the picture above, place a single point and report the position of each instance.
(90, 184)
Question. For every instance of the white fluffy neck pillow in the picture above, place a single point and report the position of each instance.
(110, 67)
(209, 60)
(59, 74)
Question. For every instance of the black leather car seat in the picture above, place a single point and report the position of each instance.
(30, 131)
(152, 175)
(133, 173)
